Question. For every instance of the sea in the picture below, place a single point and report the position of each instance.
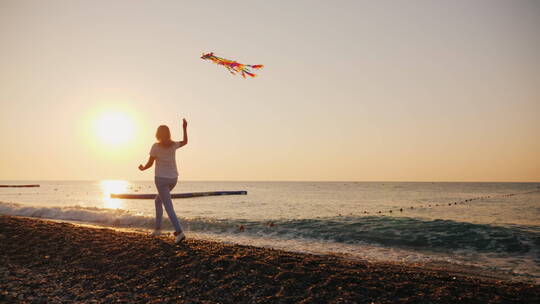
(485, 229)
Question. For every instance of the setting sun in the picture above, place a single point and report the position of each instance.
(114, 128)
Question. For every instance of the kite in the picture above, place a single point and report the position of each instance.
(233, 66)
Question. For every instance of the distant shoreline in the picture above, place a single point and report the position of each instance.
(272, 181)
(46, 261)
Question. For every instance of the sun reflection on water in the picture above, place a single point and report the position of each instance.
(113, 186)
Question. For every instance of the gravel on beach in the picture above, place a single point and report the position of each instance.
(49, 262)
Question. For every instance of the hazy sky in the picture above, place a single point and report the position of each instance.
(351, 90)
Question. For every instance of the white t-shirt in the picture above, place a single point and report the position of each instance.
(165, 160)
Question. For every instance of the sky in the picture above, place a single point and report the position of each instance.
(350, 91)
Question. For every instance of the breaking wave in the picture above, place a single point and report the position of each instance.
(396, 232)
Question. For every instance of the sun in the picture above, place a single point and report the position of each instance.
(114, 128)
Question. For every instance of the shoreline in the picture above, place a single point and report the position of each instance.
(45, 261)
(459, 269)
(456, 269)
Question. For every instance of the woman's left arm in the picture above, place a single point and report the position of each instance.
(149, 163)
(185, 140)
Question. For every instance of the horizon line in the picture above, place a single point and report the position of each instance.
(288, 181)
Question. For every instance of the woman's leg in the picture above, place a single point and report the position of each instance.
(159, 212)
(164, 186)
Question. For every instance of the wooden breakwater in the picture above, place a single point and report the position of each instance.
(18, 186)
(176, 195)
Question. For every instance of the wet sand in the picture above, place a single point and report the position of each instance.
(50, 262)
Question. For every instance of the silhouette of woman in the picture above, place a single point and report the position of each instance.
(166, 176)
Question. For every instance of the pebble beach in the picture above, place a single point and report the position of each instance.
(49, 262)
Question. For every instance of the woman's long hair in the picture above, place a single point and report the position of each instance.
(163, 135)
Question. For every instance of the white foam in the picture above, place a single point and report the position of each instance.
(110, 217)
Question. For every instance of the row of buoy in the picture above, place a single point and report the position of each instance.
(453, 203)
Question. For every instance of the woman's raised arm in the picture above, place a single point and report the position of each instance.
(184, 126)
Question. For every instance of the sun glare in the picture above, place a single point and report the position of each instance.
(113, 186)
(114, 128)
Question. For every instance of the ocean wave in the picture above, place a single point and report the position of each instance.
(400, 232)
(443, 235)
(109, 217)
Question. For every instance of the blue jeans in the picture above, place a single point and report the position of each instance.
(164, 186)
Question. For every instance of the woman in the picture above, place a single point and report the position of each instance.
(166, 176)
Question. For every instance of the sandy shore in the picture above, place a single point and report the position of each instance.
(49, 262)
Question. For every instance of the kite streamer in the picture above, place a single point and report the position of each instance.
(233, 66)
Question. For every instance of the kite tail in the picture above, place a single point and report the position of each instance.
(250, 74)
(231, 70)
(257, 66)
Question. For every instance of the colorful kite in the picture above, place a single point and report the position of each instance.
(233, 66)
